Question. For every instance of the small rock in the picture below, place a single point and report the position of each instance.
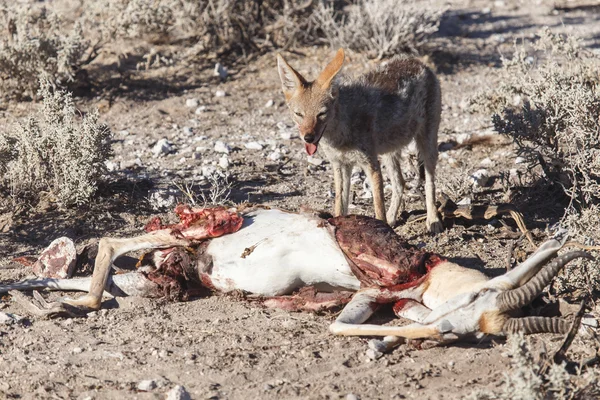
(253, 146)
(220, 93)
(160, 199)
(76, 350)
(188, 131)
(162, 147)
(200, 110)
(178, 393)
(589, 320)
(446, 146)
(314, 160)
(221, 147)
(224, 162)
(197, 156)
(7, 319)
(269, 103)
(486, 162)
(123, 133)
(275, 155)
(520, 160)
(220, 71)
(352, 396)
(192, 103)
(111, 166)
(58, 260)
(374, 354)
(465, 201)
(208, 171)
(286, 135)
(480, 177)
(147, 385)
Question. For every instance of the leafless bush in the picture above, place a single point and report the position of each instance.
(378, 27)
(36, 43)
(525, 380)
(550, 105)
(52, 152)
(214, 191)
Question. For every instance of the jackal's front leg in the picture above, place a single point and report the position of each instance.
(341, 178)
(374, 173)
(109, 249)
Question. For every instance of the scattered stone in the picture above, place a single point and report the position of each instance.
(269, 103)
(520, 160)
(486, 162)
(224, 162)
(58, 260)
(128, 164)
(123, 133)
(188, 131)
(220, 93)
(480, 177)
(7, 319)
(367, 192)
(147, 385)
(352, 396)
(200, 110)
(253, 146)
(275, 155)
(465, 201)
(197, 156)
(220, 71)
(222, 147)
(314, 160)
(76, 350)
(192, 103)
(111, 166)
(208, 171)
(374, 354)
(162, 147)
(446, 146)
(589, 320)
(161, 198)
(178, 393)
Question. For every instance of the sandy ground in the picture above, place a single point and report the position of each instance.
(222, 348)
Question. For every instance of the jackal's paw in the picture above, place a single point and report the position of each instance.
(435, 226)
(88, 302)
(385, 345)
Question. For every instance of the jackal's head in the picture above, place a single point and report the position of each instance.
(311, 103)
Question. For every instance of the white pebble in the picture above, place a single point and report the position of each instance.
(208, 170)
(221, 147)
(162, 147)
(147, 385)
(7, 319)
(200, 110)
(480, 177)
(220, 93)
(111, 165)
(224, 162)
(314, 160)
(191, 103)
(275, 155)
(253, 146)
(520, 160)
(269, 103)
(188, 131)
(178, 393)
(374, 354)
(352, 396)
(220, 71)
(486, 162)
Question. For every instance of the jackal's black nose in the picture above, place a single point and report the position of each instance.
(309, 138)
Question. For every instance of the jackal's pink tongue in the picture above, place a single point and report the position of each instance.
(311, 148)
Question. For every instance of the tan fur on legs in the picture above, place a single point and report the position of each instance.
(374, 172)
(341, 178)
(109, 249)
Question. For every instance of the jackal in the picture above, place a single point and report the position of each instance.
(358, 120)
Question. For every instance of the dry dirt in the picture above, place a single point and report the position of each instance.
(220, 347)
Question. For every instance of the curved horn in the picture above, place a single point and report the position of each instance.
(517, 298)
(530, 325)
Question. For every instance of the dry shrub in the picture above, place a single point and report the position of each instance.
(549, 104)
(524, 380)
(378, 27)
(36, 43)
(54, 152)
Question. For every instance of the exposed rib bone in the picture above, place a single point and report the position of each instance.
(517, 298)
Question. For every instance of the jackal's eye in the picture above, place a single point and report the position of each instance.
(299, 114)
(322, 115)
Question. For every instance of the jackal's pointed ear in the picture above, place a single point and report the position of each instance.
(291, 80)
(331, 70)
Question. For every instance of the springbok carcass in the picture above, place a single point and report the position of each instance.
(303, 261)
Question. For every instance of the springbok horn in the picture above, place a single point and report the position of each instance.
(530, 325)
(519, 297)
